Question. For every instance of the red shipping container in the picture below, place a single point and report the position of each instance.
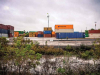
(47, 35)
(10, 27)
(94, 31)
(53, 35)
(40, 32)
(1, 26)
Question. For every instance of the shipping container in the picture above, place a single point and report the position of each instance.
(94, 35)
(1, 26)
(47, 35)
(36, 34)
(40, 35)
(16, 34)
(0, 30)
(53, 35)
(86, 35)
(20, 32)
(10, 27)
(47, 28)
(40, 32)
(53, 32)
(63, 26)
(4, 35)
(33, 35)
(47, 32)
(10, 35)
(94, 31)
(64, 30)
(70, 35)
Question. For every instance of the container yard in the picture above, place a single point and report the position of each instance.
(65, 31)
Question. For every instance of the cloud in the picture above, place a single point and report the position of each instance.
(32, 14)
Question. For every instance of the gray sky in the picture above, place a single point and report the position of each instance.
(31, 15)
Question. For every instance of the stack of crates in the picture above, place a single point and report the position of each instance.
(32, 33)
(47, 31)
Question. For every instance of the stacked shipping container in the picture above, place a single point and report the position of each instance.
(53, 34)
(40, 33)
(47, 31)
(3, 31)
(16, 34)
(67, 31)
(32, 33)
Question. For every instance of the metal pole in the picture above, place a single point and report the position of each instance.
(48, 19)
(95, 25)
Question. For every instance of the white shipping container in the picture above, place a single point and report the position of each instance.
(64, 30)
(4, 35)
(94, 35)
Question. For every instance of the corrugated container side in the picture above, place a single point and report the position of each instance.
(63, 26)
(94, 35)
(1, 26)
(47, 28)
(4, 35)
(47, 35)
(40, 35)
(64, 30)
(57, 35)
(16, 34)
(40, 32)
(94, 31)
(47, 32)
(0, 30)
(36, 33)
(53, 32)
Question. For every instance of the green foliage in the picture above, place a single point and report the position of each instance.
(68, 48)
(61, 70)
(92, 29)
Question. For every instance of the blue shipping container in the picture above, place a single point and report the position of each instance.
(40, 35)
(70, 35)
(47, 32)
(0, 30)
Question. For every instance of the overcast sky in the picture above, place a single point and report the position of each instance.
(31, 15)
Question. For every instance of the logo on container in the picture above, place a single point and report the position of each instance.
(61, 26)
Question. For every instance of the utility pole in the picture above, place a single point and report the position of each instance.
(95, 25)
(48, 19)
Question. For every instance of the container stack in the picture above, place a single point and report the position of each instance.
(40, 34)
(3, 31)
(63, 31)
(47, 31)
(94, 33)
(16, 34)
(67, 31)
(32, 33)
(86, 33)
(10, 31)
(36, 34)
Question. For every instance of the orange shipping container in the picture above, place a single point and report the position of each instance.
(53, 32)
(16, 34)
(63, 26)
